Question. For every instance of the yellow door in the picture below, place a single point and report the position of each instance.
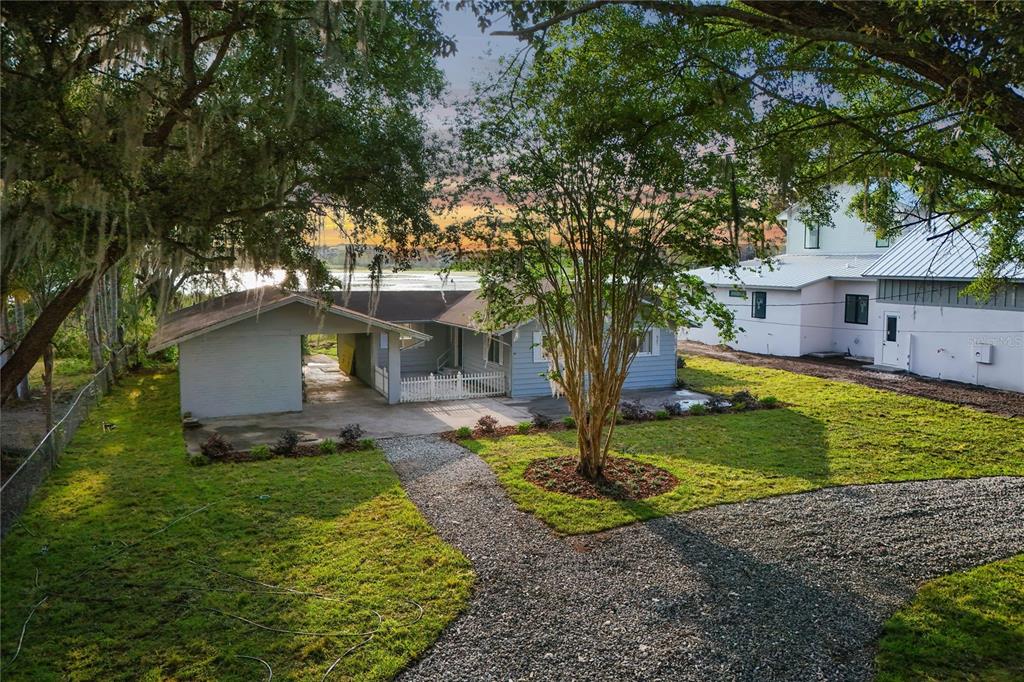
(346, 352)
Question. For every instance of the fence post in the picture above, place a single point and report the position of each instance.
(460, 390)
(432, 387)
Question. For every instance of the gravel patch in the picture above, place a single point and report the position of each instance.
(786, 588)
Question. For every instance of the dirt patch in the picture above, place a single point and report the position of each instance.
(1006, 403)
(625, 479)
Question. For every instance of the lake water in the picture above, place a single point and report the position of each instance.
(419, 280)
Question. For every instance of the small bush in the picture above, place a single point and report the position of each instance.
(261, 452)
(569, 422)
(542, 421)
(524, 427)
(739, 406)
(769, 402)
(463, 432)
(487, 424)
(714, 404)
(328, 446)
(680, 362)
(349, 435)
(682, 385)
(662, 415)
(198, 459)
(743, 397)
(367, 444)
(635, 411)
(674, 409)
(285, 445)
(217, 447)
(698, 409)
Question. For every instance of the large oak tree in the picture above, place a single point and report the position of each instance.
(223, 133)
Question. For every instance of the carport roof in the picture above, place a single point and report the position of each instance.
(228, 309)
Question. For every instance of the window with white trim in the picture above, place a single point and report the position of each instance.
(812, 238)
(539, 355)
(493, 350)
(649, 344)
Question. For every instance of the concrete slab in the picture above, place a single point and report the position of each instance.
(652, 399)
(361, 405)
(885, 369)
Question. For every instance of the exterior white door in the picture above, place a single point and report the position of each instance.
(890, 340)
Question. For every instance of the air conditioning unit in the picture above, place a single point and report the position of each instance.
(983, 353)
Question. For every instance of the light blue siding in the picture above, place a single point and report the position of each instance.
(655, 371)
(423, 359)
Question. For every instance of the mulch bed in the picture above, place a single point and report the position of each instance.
(625, 479)
(300, 450)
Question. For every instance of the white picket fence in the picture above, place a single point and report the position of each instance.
(452, 386)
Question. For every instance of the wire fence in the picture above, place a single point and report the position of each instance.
(17, 490)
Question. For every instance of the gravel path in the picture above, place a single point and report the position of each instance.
(788, 588)
(1008, 403)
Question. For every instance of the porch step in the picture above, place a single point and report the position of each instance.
(885, 369)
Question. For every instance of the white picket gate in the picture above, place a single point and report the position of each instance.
(452, 386)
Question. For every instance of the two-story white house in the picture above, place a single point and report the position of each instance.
(811, 298)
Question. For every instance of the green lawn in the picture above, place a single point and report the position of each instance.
(964, 626)
(828, 433)
(340, 526)
(68, 374)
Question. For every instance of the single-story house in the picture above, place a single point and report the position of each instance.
(241, 353)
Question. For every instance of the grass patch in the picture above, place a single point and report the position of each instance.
(964, 626)
(338, 525)
(68, 374)
(829, 433)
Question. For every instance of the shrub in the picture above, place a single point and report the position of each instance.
(569, 422)
(662, 415)
(463, 432)
(261, 452)
(635, 411)
(743, 397)
(328, 446)
(349, 435)
(698, 409)
(739, 406)
(769, 402)
(198, 459)
(487, 424)
(524, 427)
(680, 362)
(681, 385)
(285, 445)
(217, 447)
(367, 444)
(542, 421)
(673, 409)
(714, 404)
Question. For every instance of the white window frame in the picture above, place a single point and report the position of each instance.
(539, 354)
(488, 340)
(655, 345)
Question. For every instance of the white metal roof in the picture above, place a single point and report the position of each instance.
(953, 256)
(789, 271)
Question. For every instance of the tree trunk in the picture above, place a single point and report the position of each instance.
(591, 451)
(24, 391)
(46, 325)
(92, 331)
(48, 386)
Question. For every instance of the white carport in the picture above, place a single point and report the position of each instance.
(242, 353)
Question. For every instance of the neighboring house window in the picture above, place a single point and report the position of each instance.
(494, 350)
(649, 344)
(856, 309)
(384, 341)
(812, 238)
(759, 306)
(737, 293)
(882, 243)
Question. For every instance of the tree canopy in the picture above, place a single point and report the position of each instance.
(919, 103)
(219, 133)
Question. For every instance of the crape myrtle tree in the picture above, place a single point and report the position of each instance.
(921, 104)
(207, 135)
(595, 195)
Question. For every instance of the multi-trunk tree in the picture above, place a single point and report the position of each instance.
(595, 195)
(220, 134)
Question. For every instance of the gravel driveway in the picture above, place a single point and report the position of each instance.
(792, 588)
